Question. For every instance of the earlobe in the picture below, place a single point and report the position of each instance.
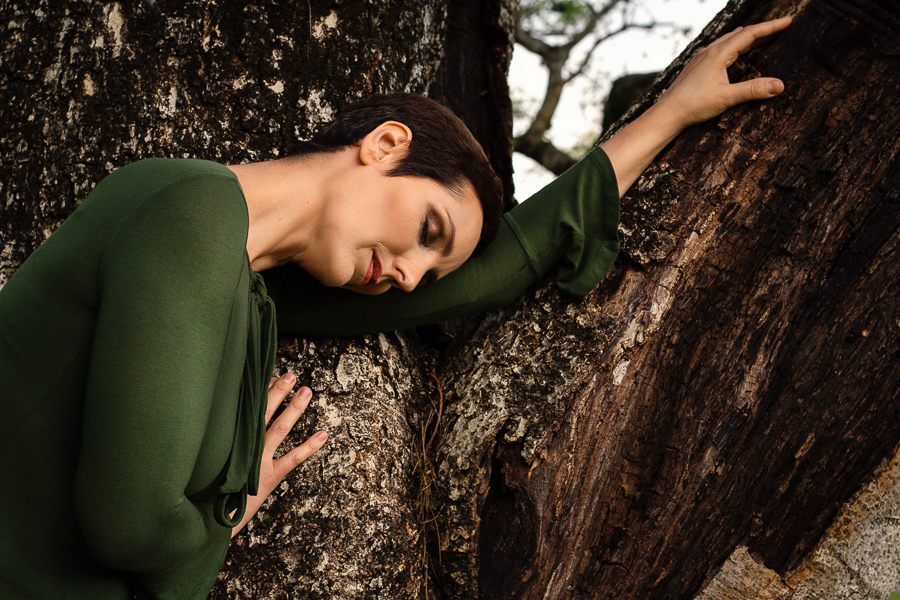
(385, 144)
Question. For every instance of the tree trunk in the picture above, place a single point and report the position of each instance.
(728, 387)
(88, 87)
(741, 380)
(91, 86)
(472, 78)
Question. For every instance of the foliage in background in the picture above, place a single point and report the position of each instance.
(566, 34)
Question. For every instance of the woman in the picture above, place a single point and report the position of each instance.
(132, 445)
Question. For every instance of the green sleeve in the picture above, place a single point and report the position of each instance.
(570, 224)
(168, 280)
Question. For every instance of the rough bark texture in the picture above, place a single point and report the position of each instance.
(857, 559)
(726, 389)
(472, 78)
(747, 379)
(91, 86)
(344, 524)
(88, 87)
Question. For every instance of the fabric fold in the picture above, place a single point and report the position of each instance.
(243, 469)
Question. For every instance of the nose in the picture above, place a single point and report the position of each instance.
(406, 274)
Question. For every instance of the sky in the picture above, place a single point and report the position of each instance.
(580, 109)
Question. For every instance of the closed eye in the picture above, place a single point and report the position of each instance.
(423, 240)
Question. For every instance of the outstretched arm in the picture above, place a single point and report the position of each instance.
(570, 224)
(701, 92)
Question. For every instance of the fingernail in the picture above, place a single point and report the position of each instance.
(775, 88)
(321, 436)
(272, 382)
(288, 378)
(305, 393)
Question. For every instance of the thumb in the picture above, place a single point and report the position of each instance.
(756, 89)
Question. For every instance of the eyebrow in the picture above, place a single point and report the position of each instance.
(448, 247)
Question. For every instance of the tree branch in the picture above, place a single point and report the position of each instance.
(601, 39)
(531, 43)
(591, 25)
(545, 153)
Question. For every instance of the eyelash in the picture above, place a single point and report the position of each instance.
(424, 238)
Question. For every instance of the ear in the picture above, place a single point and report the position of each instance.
(385, 144)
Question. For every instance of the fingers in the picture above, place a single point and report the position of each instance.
(756, 89)
(289, 461)
(726, 37)
(286, 420)
(743, 38)
(279, 388)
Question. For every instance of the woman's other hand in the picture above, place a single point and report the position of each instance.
(274, 471)
(702, 91)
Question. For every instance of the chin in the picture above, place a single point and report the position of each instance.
(368, 290)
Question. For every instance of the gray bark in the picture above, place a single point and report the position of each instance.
(88, 87)
(346, 523)
(91, 86)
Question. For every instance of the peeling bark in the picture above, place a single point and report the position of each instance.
(856, 559)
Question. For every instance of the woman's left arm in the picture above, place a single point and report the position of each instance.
(167, 283)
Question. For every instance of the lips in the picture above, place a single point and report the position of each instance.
(373, 273)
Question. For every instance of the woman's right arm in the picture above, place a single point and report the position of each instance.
(700, 92)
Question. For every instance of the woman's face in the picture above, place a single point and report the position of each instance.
(380, 232)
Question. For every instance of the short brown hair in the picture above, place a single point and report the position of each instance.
(442, 148)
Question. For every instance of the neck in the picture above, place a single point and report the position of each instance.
(283, 198)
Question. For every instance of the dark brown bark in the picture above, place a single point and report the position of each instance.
(746, 379)
(471, 80)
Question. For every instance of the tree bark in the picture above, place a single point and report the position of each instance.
(744, 381)
(88, 87)
(704, 413)
(471, 79)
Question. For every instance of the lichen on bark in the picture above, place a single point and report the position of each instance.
(91, 86)
(343, 524)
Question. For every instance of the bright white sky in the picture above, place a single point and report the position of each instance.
(579, 112)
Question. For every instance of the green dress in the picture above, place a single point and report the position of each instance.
(135, 349)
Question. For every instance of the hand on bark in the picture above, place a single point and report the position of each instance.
(274, 471)
(703, 91)
(700, 92)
